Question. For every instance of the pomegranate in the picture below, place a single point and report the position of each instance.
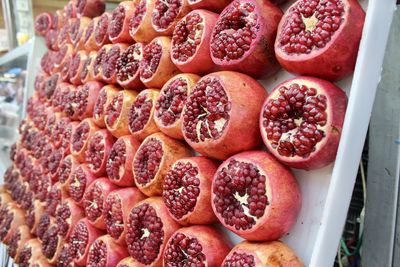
(105, 252)
(64, 258)
(116, 210)
(17, 242)
(320, 38)
(69, 102)
(52, 244)
(67, 134)
(67, 216)
(43, 23)
(70, 10)
(40, 79)
(52, 119)
(128, 67)
(43, 186)
(58, 19)
(98, 62)
(109, 65)
(80, 138)
(141, 114)
(86, 98)
(63, 35)
(88, 39)
(30, 253)
(156, 67)
(101, 31)
(62, 55)
(256, 197)
(44, 223)
(301, 122)
(87, 69)
(93, 201)
(118, 27)
(5, 198)
(244, 35)
(53, 162)
(11, 217)
(262, 254)
(119, 162)
(51, 41)
(46, 62)
(166, 15)
(128, 262)
(58, 132)
(148, 229)
(105, 96)
(187, 190)
(218, 118)
(117, 112)
(98, 151)
(196, 246)
(81, 178)
(64, 71)
(216, 6)
(190, 50)
(82, 237)
(50, 86)
(67, 167)
(90, 8)
(170, 102)
(56, 195)
(76, 66)
(140, 27)
(77, 31)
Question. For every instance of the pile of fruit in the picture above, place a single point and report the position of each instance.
(144, 135)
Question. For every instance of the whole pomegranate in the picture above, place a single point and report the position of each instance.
(43, 23)
(320, 38)
(218, 118)
(105, 252)
(140, 27)
(301, 122)
(105, 96)
(255, 196)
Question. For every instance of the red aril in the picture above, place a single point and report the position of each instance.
(128, 67)
(44, 223)
(86, 96)
(80, 138)
(98, 62)
(64, 258)
(56, 196)
(53, 162)
(77, 31)
(101, 37)
(88, 38)
(105, 96)
(90, 8)
(218, 118)
(46, 62)
(64, 71)
(53, 118)
(62, 55)
(67, 167)
(166, 15)
(52, 244)
(31, 253)
(70, 10)
(63, 35)
(67, 134)
(59, 130)
(109, 67)
(140, 27)
(17, 242)
(320, 38)
(301, 122)
(11, 217)
(51, 40)
(81, 178)
(255, 196)
(216, 6)
(40, 79)
(87, 69)
(118, 28)
(34, 215)
(76, 67)
(67, 216)
(105, 252)
(98, 151)
(43, 23)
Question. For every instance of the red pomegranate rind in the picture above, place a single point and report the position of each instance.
(101, 31)
(87, 96)
(140, 27)
(153, 159)
(156, 67)
(190, 50)
(216, 6)
(187, 190)
(119, 162)
(81, 178)
(76, 67)
(264, 196)
(223, 127)
(263, 254)
(170, 102)
(149, 226)
(141, 114)
(109, 66)
(80, 138)
(128, 67)
(98, 150)
(67, 216)
(43, 23)
(90, 8)
(301, 122)
(105, 96)
(320, 38)
(67, 167)
(105, 252)
(244, 35)
(166, 15)
(87, 68)
(118, 28)
(196, 245)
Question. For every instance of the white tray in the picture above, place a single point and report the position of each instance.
(327, 192)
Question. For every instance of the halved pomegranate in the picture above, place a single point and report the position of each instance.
(218, 118)
(69, 102)
(17, 242)
(81, 178)
(101, 37)
(166, 15)
(46, 62)
(40, 79)
(67, 134)
(50, 86)
(93, 201)
(30, 253)
(140, 27)
(118, 28)
(76, 66)
(320, 38)
(170, 103)
(80, 138)
(62, 56)
(128, 67)
(117, 112)
(64, 258)
(53, 162)
(43, 186)
(67, 216)
(82, 237)
(216, 6)
(119, 162)
(34, 215)
(98, 151)
(149, 227)
(109, 66)
(301, 122)
(67, 167)
(117, 207)
(187, 190)
(77, 31)
(105, 96)
(90, 8)
(58, 19)
(190, 50)
(87, 96)
(141, 114)
(105, 252)
(70, 10)
(255, 196)
(153, 160)
(156, 67)
(43, 23)
(262, 254)
(87, 69)
(52, 119)
(88, 38)
(43, 224)
(52, 244)
(244, 35)
(98, 62)
(65, 69)
(51, 41)
(56, 196)
(11, 218)
(59, 130)
(63, 35)
(196, 246)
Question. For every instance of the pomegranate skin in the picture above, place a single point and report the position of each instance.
(325, 150)
(102, 101)
(91, 90)
(123, 36)
(90, 8)
(114, 252)
(144, 32)
(129, 262)
(283, 196)
(259, 59)
(240, 132)
(337, 58)
(200, 62)
(216, 6)
(215, 245)
(265, 254)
